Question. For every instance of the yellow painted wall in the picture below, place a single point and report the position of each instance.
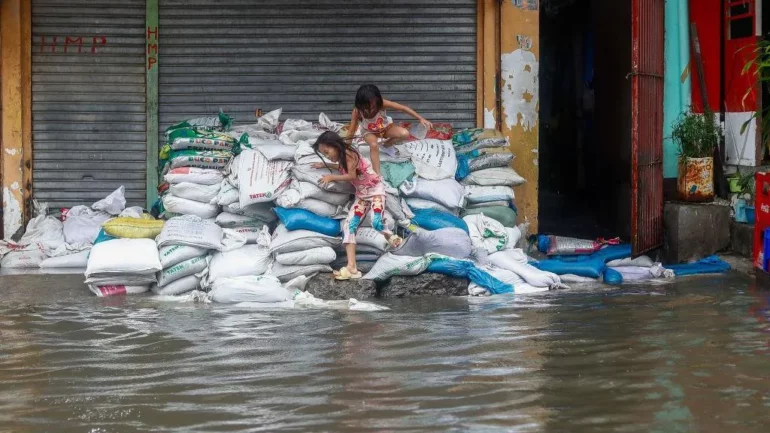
(519, 68)
(16, 152)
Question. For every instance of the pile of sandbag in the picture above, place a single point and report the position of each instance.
(196, 152)
(486, 175)
(303, 244)
(52, 243)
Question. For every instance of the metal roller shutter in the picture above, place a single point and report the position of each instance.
(88, 100)
(310, 56)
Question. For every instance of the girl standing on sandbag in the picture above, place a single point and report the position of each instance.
(370, 112)
(370, 195)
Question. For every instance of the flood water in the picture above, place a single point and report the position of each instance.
(688, 356)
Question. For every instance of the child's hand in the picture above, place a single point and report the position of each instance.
(326, 179)
(426, 124)
(318, 165)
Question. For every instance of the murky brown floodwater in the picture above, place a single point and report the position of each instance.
(690, 356)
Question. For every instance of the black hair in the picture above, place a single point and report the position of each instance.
(364, 97)
(331, 138)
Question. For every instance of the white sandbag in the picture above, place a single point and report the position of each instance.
(433, 159)
(201, 176)
(122, 279)
(269, 121)
(486, 194)
(516, 262)
(486, 233)
(82, 224)
(396, 154)
(327, 123)
(287, 273)
(299, 137)
(313, 256)
(419, 203)
(390, 265)
(227, 194)
(175, 254)
(320, 208)
(451, 242)
(247, 260)
(259, 289)
(306, 173)
(184, 206)
(132, 212)
(261, 180)
(185, 269)
(214, 159)
(195, 192)
(131, 256)
(113, 204)
(123, 257)
(514, 237)
(117, 290)
(520, 287)
(369, 237)
(229, 220)
(577, 279)
(276, 150)
(501, 176)
(299, 191)
(490, 160)
(23, 259)
(43, 229)
(446, 192)
(252, 234)
(179, 286)
(75, 260)
(195, 232)
(285, 241)
(641, 261)
(261, 211)
(642, 273)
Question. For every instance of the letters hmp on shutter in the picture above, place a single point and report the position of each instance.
(88, 100)
(310, 57)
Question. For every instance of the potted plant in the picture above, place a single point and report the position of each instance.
(696, 136)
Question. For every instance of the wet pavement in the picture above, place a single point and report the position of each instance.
(693, 355)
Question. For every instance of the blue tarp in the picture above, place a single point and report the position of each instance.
(709, 265)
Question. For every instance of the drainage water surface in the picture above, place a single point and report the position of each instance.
(687, 356)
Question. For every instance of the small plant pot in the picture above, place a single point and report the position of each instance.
(734, 184)
(750, 215)
(696, 179)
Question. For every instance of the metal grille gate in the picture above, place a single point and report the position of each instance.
(308, 56)
(647, 125)
(88, 100)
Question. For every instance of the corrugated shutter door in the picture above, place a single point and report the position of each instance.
(88, 100)
(310, 56)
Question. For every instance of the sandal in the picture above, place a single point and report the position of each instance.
(344, 274)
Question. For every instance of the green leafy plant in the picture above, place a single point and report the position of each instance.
(758, 67)
(746, 184)
(696, 135)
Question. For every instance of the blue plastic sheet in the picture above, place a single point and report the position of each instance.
(591, 268)
(709, 265)
(469, 271)
(463, 168)
(103, 237)
(431, 219)
(301, 219)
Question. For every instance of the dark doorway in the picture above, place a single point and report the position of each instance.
(585, 118)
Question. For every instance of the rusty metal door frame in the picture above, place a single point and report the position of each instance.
(647, 39)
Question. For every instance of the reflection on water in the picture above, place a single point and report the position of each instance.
(690, 356)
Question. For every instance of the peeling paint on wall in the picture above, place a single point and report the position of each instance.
(489, 119)
(531, 5)
(11, 211)
(520, 92)
(13, 151)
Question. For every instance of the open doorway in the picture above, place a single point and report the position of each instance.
(585, 118)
